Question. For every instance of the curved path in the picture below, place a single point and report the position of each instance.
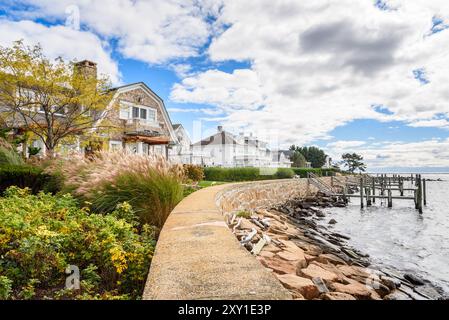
(198, 257)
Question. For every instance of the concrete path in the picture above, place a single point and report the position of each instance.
(198, 257)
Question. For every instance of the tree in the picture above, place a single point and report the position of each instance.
(298, 159)
(54, 100)
(314, 155)
(354, 162)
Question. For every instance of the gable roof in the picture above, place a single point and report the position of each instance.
(143, 86)
(218, 138)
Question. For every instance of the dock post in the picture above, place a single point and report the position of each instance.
(420, 194)
(390, 199)
(361, 193)
(368, 197)
(424, 191)
(374, 191)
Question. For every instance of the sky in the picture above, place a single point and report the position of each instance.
(365, 76)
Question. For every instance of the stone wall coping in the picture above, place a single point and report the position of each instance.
(198, 257)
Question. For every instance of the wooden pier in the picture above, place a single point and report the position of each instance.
(369, 188)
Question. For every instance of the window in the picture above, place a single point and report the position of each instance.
(128, 111)
(135, 113)
(124, 112)
(143, 114)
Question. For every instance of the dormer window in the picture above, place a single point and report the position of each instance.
(130, 111)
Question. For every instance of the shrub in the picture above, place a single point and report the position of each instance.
(193, 172)
(152, 194)
(8, 156)
(40, 235)
(285, 173)
(28, 177)
(233, 174)
(149, 183)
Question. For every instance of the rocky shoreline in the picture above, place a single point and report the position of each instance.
(313, 262)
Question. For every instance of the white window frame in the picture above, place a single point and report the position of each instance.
(140, 107)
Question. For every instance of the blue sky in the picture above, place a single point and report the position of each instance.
(366, 76)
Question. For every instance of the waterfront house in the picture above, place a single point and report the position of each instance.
(224, 149)
(141, 122)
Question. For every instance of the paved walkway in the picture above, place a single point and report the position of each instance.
(197, 257)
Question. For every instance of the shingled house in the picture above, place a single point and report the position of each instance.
(141, 121)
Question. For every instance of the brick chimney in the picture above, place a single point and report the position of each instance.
(86, 68)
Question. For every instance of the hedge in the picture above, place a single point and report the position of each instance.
(246, 174)
(255, 174)
(28, 177)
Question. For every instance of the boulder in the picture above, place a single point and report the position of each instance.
(278, 265)
(355, 289)
(391, 283)
(397, 295)
(297, 257)
(337, 296)
(302, 285)
(332, 221)
(314, 271)
(266, 254)
(351, 271)
(330, 258)
(417, 281)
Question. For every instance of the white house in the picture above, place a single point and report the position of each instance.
(181, 152)
(225, 149)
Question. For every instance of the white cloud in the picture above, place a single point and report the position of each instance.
(61, 41)
(427, 153)
(207, 111)
(317, 65)
(436, 123)
(345, 144)
(152, 31)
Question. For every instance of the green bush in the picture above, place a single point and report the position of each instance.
(40, 235)
(8, 156)
(193, 172)
(25, 176)
(232, 174)
(285, 173)
(153, 195)
(255, 174)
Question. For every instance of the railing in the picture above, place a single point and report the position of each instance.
(323, 187)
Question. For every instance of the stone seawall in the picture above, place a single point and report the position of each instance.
(198, 257)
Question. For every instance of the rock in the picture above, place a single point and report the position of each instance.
(310, 258)
(278, 265)
(428, 291)
(351, 271)
(320, 214)
(266, 254)
(381, 289)
(355, 289)
(297, 258)
(390, 282)
(397, 295)
(247, 225)
(337, 296)
(338, 235)
(332, 221)
(417, 281)
(322, 288)
(314, 271)
(330, 258)
(271, 248)
(309, 249)
(302, 285)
